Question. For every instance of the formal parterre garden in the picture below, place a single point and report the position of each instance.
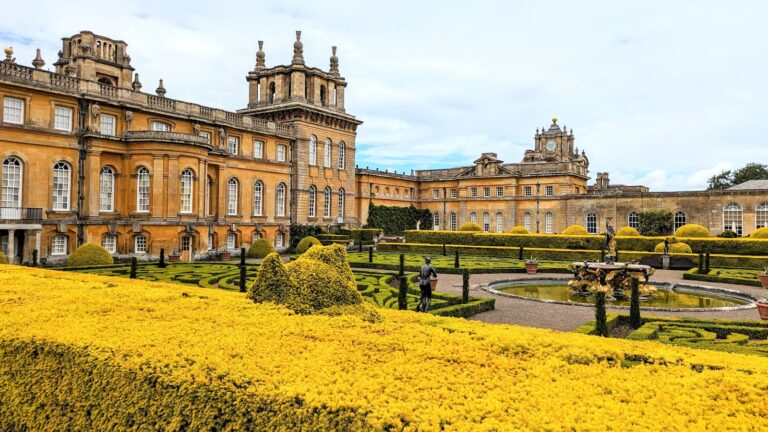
(89, 352)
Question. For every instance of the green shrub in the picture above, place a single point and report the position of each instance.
(760, 233)
(89, 254)
(306, 243)
(299, 231)
(519, 230)
(674, 248)
(3, 260)
(470, 226)
(728, 234)
(273, 284)
(692, 230)
(260, 249)
(394, 220)
(656, 222)
(627, 232)
(575, 230)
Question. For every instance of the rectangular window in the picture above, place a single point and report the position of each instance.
(473, 192)
(234, 145)
(206, 135)
(108, 124)
(499, 191)
(109, 243)
(436, 193)
(140, 244)
(59, 245)
(62, 119)
(231, 240)
(160, 126)
(527, 191)
(281, 153)
(549, 190)
(258, 149)
(486, 192)
(210, 241)
(454, 193)
(13, 110)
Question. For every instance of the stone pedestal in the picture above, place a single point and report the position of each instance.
(665, 262)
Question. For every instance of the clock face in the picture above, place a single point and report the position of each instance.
(551, 145)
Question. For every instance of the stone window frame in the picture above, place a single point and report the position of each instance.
(66, 193)
(25, 102)
(549, 223)
(761, 215)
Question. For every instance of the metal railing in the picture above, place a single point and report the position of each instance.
(21, 214)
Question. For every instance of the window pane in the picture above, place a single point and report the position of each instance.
(258, 191)
(61, 186)
(108, 124)
(63, 119)
(142, 190)
(258, 149)
(187, 179)
(106, 189)
(109, 243)
(13, 110)
(232, 197)
(11, 183)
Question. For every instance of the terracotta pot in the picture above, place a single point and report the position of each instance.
(225, 255)
(763, 280)
(433, 283)
(531, 268)
(762, 309)
(173, 258)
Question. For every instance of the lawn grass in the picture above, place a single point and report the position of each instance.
(445, 264)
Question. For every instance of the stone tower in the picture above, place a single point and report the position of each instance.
(95, 58)
(311, 101)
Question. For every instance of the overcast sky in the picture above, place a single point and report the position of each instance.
(660, 93)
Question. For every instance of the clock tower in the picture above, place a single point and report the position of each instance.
(553, 144)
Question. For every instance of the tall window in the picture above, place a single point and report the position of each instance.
(187, 178)
(761, 215)
(327, 153)
(527, 191)
(499, 191)
(486, 221)
(258, 198)
(633, 220)
(279, 240)
(327, 202)
(679, 219)
(473, 192)
(549, 190)
(142, 190)
(280, 207)
(13, 110)
(342, 155)
(454, 193)
(473, 217)
(258, 149)
(234, 145)
(454, 222)
(436, 221)
(499, 222)
(160, 126)
(436, 194)
(527, 221)
(312, 150)
(341, 203)
(140, 244)
(486, 192)
(61, 183)
(59, 245)
(208, 187)
(592, 223)
(272, 92)
(107, 124)
(110, 243)
(231, 240)
(107, 190)
(62, 119)
(232, 196)
(312, 201)
(733, 218)
(280, 153)
(12, 170)
(549, 222)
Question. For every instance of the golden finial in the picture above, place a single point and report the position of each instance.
(554, 119)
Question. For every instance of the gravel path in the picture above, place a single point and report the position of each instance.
(533, 313)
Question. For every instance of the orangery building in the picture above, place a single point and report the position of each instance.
(87, 156)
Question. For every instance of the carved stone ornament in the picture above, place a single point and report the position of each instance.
(196, 128)
(129, 116)
(95, 110)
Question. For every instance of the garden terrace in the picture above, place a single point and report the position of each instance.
(113, 353)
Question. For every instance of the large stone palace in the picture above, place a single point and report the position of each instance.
(87, 156)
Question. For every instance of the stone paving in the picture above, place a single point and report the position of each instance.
(533, 313)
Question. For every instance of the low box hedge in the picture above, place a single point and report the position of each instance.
(693, 274)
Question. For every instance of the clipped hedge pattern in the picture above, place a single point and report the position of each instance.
(89, 254)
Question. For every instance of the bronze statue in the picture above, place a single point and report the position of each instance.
(610, 242)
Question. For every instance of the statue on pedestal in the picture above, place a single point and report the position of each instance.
(610, 242)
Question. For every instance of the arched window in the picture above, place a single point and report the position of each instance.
(486, 221)
(633, 220)
(109, 242)
(436, 221)
(107, 190)
(341, 204)
(142, 190)
(473, 217)
(12, 174)
(679, 219)
(454, 222)
(272, 92)
(592, 223)
(232, 187)
(327, 154)
(258, 198)
(733, 215)
(549, 222)
(280, 204)
(499, 222)
(61, 179)
(323, 96)
(312, 150)
(187, 190)
(342, 155)
(527, 218)
(231, 240)
(327, 202)
(761, 215)
(312, 201)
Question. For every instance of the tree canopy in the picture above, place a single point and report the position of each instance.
(728, 178)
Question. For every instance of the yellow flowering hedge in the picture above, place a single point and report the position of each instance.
(82, 352)
(627, 232)
(470, 226)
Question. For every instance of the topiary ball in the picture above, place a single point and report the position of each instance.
(306, 243)
(760, 233)
(728, 234)
(470, 226)
(692, 230)
(3, 260)
(627, 232)
(519, 230)
(89, 254)
(575, 230)
(676, 248)
(260, 249)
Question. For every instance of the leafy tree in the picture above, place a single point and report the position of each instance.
(656, 222)
(727, 178)
(724, 180)
(395, 220)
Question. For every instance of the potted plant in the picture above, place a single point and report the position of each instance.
(762, 308)
(174, 256)
(764, 277)
(225, 255)
(433, 283)
(532, 265)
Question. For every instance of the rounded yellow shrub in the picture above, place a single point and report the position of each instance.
(519, 230)
(575, 230)
(692, 230)
(470, 226)
(760, 233)
(627, 232)
(89, 254)
(674, 248)
(260, 249)
(306, 243)
(3, 260)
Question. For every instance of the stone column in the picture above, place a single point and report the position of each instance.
(11, 246)
(37, 243)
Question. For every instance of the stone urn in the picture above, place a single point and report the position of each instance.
(762, 308)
